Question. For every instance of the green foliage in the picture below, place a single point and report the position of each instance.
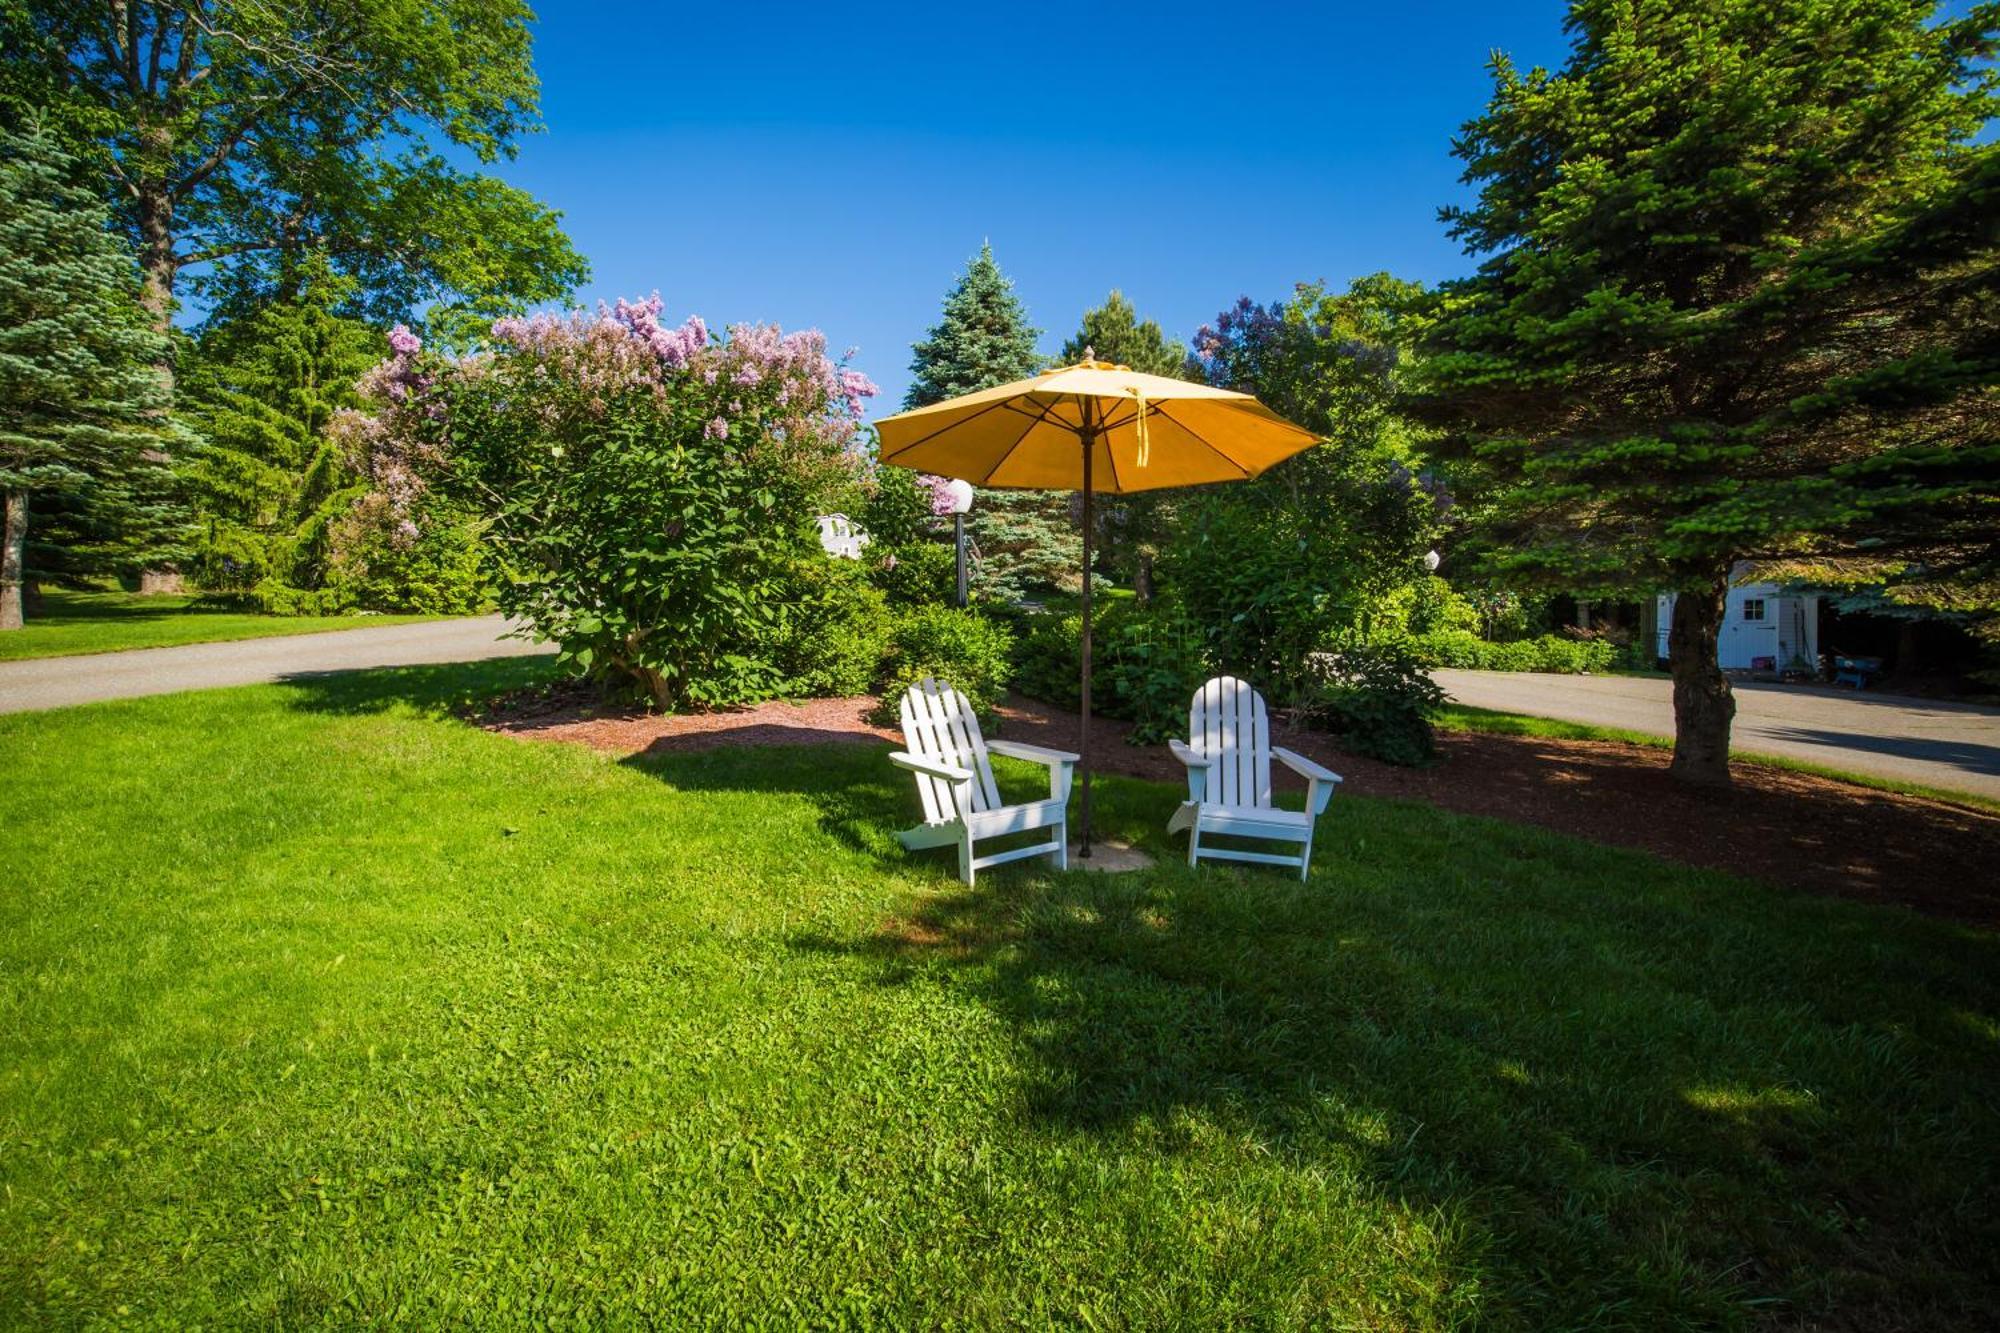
(922, 573)
(982, 340)
(80, 400)
(1738, 289)
(1377, 699)
(1028, 544)
(1465, 650)
(647, 494)
(1148, 659)
(268, 483)
(1278, 568)
(835, 632)
(1114, 333)
(963, 648)
(896, 509)
(237, 139)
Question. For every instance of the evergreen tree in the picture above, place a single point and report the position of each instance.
(1738, 302)
(269, 484)
(1113, 332)
(1027, 539)
(79, 395)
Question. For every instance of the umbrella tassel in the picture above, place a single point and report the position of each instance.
(1145, 440)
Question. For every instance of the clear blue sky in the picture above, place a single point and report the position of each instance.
(836, 167)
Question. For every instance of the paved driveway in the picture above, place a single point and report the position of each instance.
(57, 682)
(1954, 746)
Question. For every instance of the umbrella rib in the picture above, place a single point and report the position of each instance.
(949, 425)
(1027, 430)
(1202, 440)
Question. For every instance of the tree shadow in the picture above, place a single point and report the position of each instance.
(1628, 1092)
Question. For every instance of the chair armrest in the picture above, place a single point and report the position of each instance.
(1303, 766)
(1035, 754)
(1188, 755)
(935, 768)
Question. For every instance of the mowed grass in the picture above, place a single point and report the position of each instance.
(322, 1007)
(109, 622)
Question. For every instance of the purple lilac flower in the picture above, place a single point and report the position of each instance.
(717, 429)
(404, 343)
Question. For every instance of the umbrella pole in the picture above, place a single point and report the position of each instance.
(1083, 746)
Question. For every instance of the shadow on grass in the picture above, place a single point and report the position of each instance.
(1630, 1093)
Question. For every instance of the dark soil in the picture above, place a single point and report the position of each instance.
(1804, 832)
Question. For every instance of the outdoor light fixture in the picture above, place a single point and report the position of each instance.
(958, 495)
(1432, 560)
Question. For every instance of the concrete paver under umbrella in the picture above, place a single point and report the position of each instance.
(1099, 429)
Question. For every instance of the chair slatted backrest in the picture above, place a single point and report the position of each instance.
(1228, 723)
(938, 723)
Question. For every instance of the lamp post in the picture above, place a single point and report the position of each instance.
(958, 494)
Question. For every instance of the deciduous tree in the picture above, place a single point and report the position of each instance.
(235, 138)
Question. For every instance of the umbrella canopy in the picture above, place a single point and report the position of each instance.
(1146, 432)
(1094, 428)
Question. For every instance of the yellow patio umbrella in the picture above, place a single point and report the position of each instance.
(1096, 428)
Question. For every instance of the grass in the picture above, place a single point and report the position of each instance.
(324, 1008)
(1460, 717)
(109, 622)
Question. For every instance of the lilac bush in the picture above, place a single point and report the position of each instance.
(647, 488)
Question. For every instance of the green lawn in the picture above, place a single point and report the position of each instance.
(109, 622)
(321, 1007)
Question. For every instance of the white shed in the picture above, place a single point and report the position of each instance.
(1764, 628)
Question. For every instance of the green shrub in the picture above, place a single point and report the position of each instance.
(1148, 660)
(836, 630)
(962, 648)
(1378, 700)
(1466, 651)
(919, 573)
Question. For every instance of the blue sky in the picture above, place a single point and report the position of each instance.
(835, 167)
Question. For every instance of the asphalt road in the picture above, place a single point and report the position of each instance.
(57, 682)
(1947, 745)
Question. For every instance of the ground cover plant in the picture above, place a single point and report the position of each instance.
(69, 622)
(386, 1017)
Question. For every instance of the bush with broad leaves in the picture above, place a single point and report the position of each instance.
(648, 492)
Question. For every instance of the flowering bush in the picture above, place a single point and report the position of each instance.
(647, 491)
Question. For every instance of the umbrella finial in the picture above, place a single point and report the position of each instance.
(1089, 355)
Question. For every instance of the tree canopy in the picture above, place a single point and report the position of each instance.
(1027, 540)
(1114, 332)
(236, 138)
(1737, 301)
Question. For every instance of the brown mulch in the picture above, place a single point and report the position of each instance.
(1810, 833)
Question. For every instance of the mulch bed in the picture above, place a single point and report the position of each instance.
(1804, 832)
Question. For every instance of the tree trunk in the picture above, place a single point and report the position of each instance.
(12, 564)
(1703, 704)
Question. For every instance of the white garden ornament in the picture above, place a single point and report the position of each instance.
(955, 782)
(1228, 756)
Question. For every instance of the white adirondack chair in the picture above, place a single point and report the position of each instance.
(955, 780)
(1228, 756)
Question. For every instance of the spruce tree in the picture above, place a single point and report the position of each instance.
(1113, 332)
(80, 395)
(268, 482)
(1027, 539)
(1737, 303)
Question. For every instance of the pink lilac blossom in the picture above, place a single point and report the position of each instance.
(940, 489)
(404, 343)
(717, 429)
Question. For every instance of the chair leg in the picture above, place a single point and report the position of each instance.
(1194, 842)
(965, 859)
(1305, 857)
(1062, 845)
